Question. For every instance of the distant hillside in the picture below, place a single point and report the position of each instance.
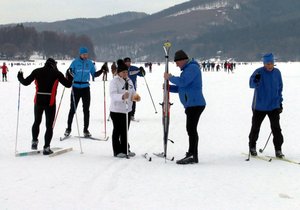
(239, 29)
(85, 24)
(242, 29)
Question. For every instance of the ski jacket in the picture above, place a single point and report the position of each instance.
(4, 69)
(82, 69)
(189, 85)
(116, 90)
(133, 72)
(268, 90)
(46, 82)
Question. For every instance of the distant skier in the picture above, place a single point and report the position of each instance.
(150, 67)
(81, 68)
(267, 100)
(189, 87)
(133, 72)
(4, 72)
(46, 81)
(105, 70)
(113, 69)
(119, 96)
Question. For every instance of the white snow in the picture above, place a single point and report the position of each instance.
(97, 180)
(209, 6)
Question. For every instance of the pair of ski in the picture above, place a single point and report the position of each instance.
(84, 137)
(160, 155)
(56, 151)
(269, 158)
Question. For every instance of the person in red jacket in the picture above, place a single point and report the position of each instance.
(4, 72)
(46, 81)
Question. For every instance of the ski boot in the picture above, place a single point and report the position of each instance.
(47, 151)
(34, 144)
(188, 159)
(279, 154)
(86, 133)
(253, 151)
(67, 132)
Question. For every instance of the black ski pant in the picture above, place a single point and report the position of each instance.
(133, 108)
(38, 113)
(119, 138)
(257, 119)
(192, 119)
(85, 95)
(4, 77)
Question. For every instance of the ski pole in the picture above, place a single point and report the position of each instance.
(18, 113)
(149, 93)
(262, 150)
(104, 109)
(126, 100)
(62, 95)
(75, 110)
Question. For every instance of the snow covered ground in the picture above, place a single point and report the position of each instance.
(97, 180)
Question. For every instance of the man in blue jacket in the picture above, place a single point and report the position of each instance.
(267, 100)
(81, 69)
(189, 87)
(133, 72)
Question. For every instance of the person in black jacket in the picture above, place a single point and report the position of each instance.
(46, 81)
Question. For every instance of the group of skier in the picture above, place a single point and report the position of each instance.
(267, 99)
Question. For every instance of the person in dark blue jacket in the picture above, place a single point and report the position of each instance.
(133, 72)
(267, 100)
(81, 69)
(189, 87)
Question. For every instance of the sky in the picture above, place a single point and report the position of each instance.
(17, 11)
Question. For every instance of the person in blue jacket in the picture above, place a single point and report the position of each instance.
(133, 72)
(189, 87)
(267, 100)
(81, 69)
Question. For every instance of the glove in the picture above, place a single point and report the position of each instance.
(98, 73)
(20, 75)
(142, 70)
(257, 77)
(280, 109)
(136, 97)
(69, 75)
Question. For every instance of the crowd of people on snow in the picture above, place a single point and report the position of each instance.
(267, 100)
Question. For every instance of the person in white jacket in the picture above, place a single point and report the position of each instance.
(121, 104)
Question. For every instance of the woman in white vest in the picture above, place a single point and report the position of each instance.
(122, 94)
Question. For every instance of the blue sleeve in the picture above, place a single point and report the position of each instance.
(280, 87)
(252, 82)
(72, 67)
(186, 77)
(173, 89)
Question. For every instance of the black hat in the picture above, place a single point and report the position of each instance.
(121, 66)
(127, 59)
(180, 55)
(51, 62)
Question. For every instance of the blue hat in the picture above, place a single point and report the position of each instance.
(268, 58)
(83, 50)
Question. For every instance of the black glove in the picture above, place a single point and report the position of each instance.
(69, 75)
(98, 73)
(280, 109)
(257, 77)
(20, 75)
(142, 70)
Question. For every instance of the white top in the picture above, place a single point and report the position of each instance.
(116, 91)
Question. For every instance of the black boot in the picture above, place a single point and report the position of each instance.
(188, 159)
(34, 144)
(279, 154)
(253, 151)
(47, 151)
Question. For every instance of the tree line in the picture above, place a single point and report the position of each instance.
(19, 42)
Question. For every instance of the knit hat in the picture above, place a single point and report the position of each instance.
(127, 59)
(51, 62)
(121, 66)
(268, 58)
(180, 55)
(83, 50)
